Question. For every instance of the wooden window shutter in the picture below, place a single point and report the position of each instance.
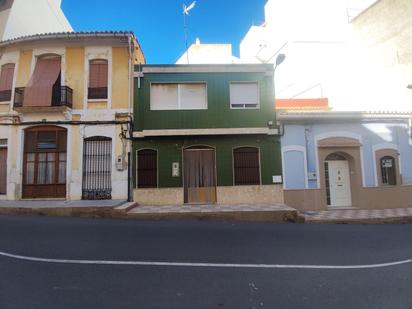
(98, 76)
(6, 77)
(98, 79)
(147, 168)
(246, 166)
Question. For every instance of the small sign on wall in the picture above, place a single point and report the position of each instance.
(312, 176)
(277, 179)
(175, 169)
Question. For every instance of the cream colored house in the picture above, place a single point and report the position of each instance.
(65, 112)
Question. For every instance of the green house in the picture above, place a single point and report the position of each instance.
(205, 134)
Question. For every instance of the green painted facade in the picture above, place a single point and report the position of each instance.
(218, 115)
(170, 150)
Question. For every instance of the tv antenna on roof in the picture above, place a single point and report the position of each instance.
(186, 10)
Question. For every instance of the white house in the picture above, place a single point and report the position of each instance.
(335, 49)
(27, 17)
(200, 53)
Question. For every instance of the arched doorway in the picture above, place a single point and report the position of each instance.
(44, 162)
(199, 175)
(337, 180)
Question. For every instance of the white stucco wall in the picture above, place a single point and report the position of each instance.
(326, 56)
(33, 17)
(208, 54)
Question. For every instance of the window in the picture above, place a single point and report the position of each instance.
(388, 170)
(147, 168)
(6, 81)
(44, 84)
(246, 166)
(98, 79)
(244, 95)
(187, 96)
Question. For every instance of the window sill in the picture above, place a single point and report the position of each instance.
(5, 102)
(97, 100)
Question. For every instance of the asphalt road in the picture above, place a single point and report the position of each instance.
(47, 284)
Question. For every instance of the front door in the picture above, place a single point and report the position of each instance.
(339, 183)
(97, 168)
(44, 162)
(3, 170)
(199, 175)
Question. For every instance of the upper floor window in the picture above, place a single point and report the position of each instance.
(388, 170)
(244, 95)
(6, 81)
(44, 87)
(175, 96)
(246, 165)
(98, 79)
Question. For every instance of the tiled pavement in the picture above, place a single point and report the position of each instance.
(243, 212)
(358, 215)
(209, 208)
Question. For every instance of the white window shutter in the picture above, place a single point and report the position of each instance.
(163, 97)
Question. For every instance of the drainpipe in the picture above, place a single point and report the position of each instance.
(131, 88)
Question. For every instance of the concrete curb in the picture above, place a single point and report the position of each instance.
(121, 212)
(257, 216)
(89, 212)
(391, 220)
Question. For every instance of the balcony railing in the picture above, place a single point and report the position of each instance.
(5, 95)
(61, 96)
(97, 93)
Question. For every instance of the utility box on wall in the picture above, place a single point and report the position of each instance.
(175, 169)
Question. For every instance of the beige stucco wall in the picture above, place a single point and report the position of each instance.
(268, 194)
(305, 199)
(160, 196)
(23, 73)
(120, 77)
(75, 75)
(369, 198)
(4, 108)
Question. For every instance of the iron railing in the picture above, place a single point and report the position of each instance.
(61, 96)
(5, 95)
(97, 93)
(97, 168)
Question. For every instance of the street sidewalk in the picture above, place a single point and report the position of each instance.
(96, 208)
(359, 216)
(122, 209)
(244, 212)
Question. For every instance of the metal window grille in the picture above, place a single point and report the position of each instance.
(327, 184)
(246, 166)
(97, 168)
(388, 171)
(147, 168)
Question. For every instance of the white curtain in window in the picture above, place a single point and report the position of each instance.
(244, 93)
(193, 96)
(164, 97)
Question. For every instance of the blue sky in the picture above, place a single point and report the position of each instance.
(158, 25)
